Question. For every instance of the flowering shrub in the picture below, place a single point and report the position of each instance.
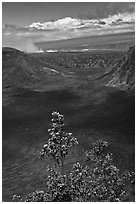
(60, 142)
(98, 181)
(109, 185)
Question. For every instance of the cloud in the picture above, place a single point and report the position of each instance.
(71, 24)
(65, 23)
(24, 38)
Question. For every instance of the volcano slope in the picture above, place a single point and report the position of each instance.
(21, 69)
(91, 109)
(123, 73)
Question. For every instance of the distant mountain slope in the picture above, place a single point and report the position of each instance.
(19, 68)
(123, 73)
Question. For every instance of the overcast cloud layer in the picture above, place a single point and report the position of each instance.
(24, 38)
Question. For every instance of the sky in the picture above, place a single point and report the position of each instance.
(26, 23)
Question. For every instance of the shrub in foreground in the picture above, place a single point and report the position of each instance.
(98, 180)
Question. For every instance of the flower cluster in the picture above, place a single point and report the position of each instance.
(58, 186)
(80, 182)
(36, 196)
(98, 151)
(129, 176)
(16, 198)
(60, 142)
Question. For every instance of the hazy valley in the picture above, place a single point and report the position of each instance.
(95, 93)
